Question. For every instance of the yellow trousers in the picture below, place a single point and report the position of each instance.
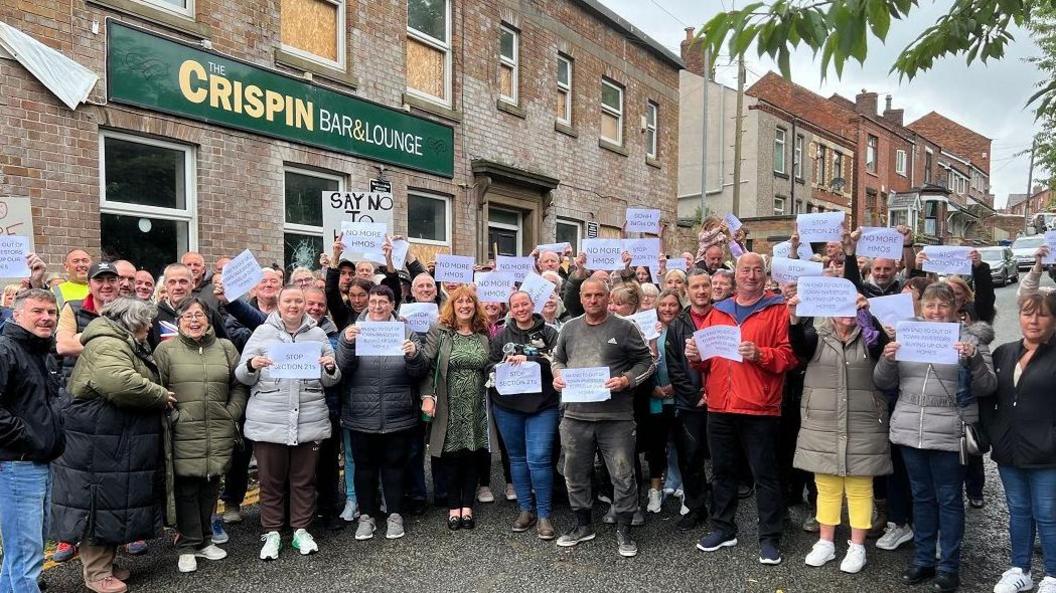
(859, 490)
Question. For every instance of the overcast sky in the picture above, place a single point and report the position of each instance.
(988, 99)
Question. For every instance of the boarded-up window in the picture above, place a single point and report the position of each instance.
(508, 63)
(314, 29)
(428, 66)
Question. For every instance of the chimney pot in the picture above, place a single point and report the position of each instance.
(689, 33)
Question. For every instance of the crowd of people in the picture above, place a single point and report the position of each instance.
(128, 406)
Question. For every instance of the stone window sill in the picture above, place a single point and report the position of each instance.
(175, 22)
(566, 129)
(620, 150)
(507, 107)
(433, 108)
(296, 62)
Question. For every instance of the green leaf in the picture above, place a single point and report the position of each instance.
(879, 19)
(782, 63)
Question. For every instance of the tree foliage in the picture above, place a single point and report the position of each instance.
(1042, 27)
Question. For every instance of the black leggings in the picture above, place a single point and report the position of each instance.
(380, 458)
(461, 470)
(655, 430)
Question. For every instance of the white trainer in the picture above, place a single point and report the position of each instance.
(655, 501)
(272, 541)
(187, 563)
(894, 536)
(821, 554)
(1047, 585)
(304, 543)
(1014, 580)
(211, 552)
(350, 512)
(854, 561)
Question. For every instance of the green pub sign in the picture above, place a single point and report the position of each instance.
(160, 74)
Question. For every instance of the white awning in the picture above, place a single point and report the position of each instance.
(68, 80)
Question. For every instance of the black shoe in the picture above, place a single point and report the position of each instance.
(454, 523)
(42, 584)
(625, 544)
(468, 522)
(583, 532)
(416, 506)
(692, 520)
(745, 491)
(946, 582)
(977, 503)
(917, 574)
(333, 523)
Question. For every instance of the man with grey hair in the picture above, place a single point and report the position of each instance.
(31, 436)
(179, 288)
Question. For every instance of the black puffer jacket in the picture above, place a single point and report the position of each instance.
(543, 338)
(30, 426)
(1021, 419)
(379, 393)
(685, 380)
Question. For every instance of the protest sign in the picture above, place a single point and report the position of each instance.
(454, 268)
(784, 270)
(519, 267)
(883, 242)
(400, 247)
(16, 217)
(511, 379)
(820, 227)
(1050, 241)
(493, 287)
(823, 296)
(380, 338)
(735, 249)
(927, 341)
(732, 222)
(585, 385)
(719, 340)
(339, 207)
(948, 259)
(363, 241)
(644, 252)
(13, 252)
(419, 316)
(643, 220)
(295, 360)
(240, 275)
(889, 310)
(539, 289)
(558, 248)
(646, 321)
(784, 248)
(603, 254)
(676, 263)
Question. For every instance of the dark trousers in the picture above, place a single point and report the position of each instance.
(615, 440)
(936, 479)
(415, 483)
(691, 442)
(730, 435)
(278, 465)
(328, 475)
(461, 474)
(380, 458)
(655, 430)
(236, 481)
(899, 497)
(793, 481)
(195, 499)
(484, 464)
(974, 477)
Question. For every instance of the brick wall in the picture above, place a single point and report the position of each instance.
(954, 137)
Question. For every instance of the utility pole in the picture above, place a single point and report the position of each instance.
(1030, 187)
(704, 134)
(738, 132)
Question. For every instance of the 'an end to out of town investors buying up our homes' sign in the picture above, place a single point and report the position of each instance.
(161, 74)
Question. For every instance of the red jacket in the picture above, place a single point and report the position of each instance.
(751, 387)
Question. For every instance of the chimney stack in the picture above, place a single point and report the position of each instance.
(895, 116)
(693, 53)
(865, 103)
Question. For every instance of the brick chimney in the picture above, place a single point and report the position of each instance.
(894, 116)
(866, 103)
(693, 53)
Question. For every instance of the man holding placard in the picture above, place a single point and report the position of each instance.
(883, 276)
(744, 407)
(599, 339)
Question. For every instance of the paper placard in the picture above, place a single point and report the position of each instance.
(822, 296)
(419, 316)
(603, 254)
(295, 360)
(646, 321)
(539, 289)
(643, 220)
(1050, 241)
(380, 338)
(735, 249)
(885, 242)
(400, 247)
(889, 310)
(948, 259)
(784, 248)
(927, 341)
(784, 270)
(241, 274)
(363, 241)
(511, 379)
(493, 287)
(644, 252)
(519, 267)
(676, 263)
(558, 248)
(585, 385)
(453, 268)
(719, 340)
(732, 222)
(13, 252)
(820, 227)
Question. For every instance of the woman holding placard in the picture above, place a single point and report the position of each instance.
(378, 408)
(286, 418)
(843, 428)
(453, 395)
(527, 422)
(928, 425)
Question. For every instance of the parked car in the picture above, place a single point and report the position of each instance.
(1003, 266)
(1023, 250)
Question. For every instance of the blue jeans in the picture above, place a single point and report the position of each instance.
(350, 467)
(936, 480)
(1031, 496)
(25, 488)
(530, 441)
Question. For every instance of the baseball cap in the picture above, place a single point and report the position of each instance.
(100, 268)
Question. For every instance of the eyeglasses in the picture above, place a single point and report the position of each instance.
(193, 317)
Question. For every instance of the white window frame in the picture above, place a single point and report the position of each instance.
(447, 216)
(514, 64)
(900, 162)
(837, 167)
(871, 151)
(797, 156)
(187, 11)
(341, 8)
(576, 225)
(780, 137)
(617, 113)
(652, 111)
(188, 214)
(307, 229)
(565, 88)
(518, 228)
(440, 45)
(780, 211)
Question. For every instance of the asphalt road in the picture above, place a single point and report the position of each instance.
(491, 558)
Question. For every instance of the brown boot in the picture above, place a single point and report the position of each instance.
(107, 585)
(121, 574)
(545, 529)
(523, 522)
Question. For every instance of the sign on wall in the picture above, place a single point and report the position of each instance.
(16, 218)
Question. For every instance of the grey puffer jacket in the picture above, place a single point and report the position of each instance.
(926, 414)
(380, 393)
(286, 411)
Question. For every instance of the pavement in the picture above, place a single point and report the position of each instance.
(493, 559)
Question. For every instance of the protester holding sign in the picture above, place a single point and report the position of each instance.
(883, 272)
(658, 422)
(527, 422)
(927, 425)
(380, 412)
(286, 419)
